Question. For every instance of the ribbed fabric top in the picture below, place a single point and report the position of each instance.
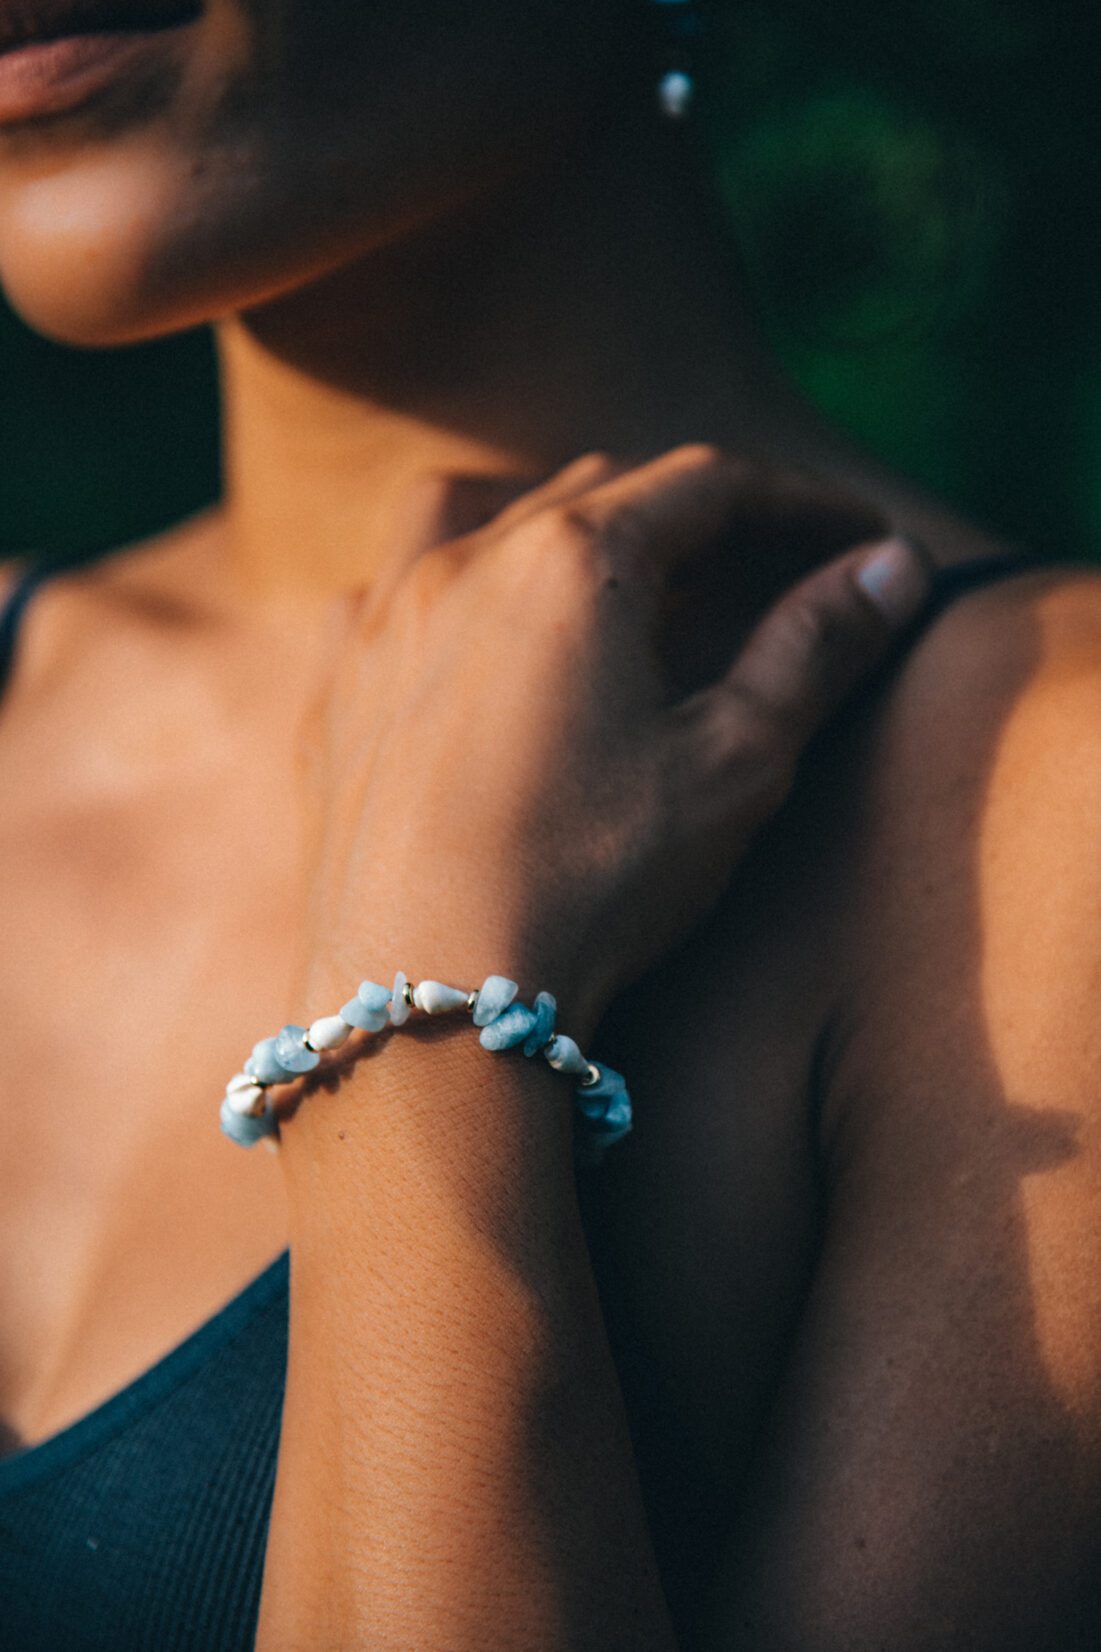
(142, 1527)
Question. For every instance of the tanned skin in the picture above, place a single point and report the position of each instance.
(813, 1362)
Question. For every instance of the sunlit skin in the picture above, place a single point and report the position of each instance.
(849, 1263)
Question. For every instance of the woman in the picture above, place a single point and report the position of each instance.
(819, 1365)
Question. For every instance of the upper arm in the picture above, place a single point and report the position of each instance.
(932, 1475)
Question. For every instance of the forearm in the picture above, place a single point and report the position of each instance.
(455, 1469)
(501, 782)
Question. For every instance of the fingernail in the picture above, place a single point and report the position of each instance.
(896, 578)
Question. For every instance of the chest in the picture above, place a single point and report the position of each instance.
(150, 938)
(147, 940)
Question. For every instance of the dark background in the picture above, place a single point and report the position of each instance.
(915, 187)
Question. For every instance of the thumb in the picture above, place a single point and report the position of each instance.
(819, 641)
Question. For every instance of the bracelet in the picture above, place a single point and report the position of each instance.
(603, 1106)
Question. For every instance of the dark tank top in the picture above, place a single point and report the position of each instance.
(141, 1528)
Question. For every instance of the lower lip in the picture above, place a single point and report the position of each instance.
(50, 77)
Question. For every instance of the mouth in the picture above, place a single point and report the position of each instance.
(61, 56)
(34, 22)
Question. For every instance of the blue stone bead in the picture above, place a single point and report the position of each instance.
(610, 1083)
(620, 1114)
(246, 1132)
(546, 1010)
(371, 1007)
(618, 1119)
(373, 996)
(510, 1028)
(496, 995)
(291, 1051)
(597, 1135)
(606, 1138)
(358, 1015)
(265, 1065)
(606, 1105)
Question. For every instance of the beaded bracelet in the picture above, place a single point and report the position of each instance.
(603, 1106)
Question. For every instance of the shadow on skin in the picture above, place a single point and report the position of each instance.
(814, 1252)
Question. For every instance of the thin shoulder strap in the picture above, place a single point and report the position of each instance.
(960, 577)
(15, 606)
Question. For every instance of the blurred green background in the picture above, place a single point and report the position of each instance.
(915, 188)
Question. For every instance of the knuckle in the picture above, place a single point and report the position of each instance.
(557, 539)
(579, 539)
(577, 524)
(742, 752)
(811, 627)
(762, 753)
(574, 532)
(555, 562)
(627, 531)
(755, 730)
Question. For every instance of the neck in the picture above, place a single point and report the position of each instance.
(404, 398)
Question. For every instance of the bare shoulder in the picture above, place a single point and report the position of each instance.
(173, 568)
(135, 593)
(976, 759)
(985, 746)
(968, 866)
(966, 1044)
(1003, 650)
(933, 1476)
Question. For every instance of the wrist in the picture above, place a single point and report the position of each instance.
(462, 958)
(287, 1068)
(429, 1139)
(460, 922)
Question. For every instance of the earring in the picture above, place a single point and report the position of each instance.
(680, 24)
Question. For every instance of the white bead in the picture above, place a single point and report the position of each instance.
(247, 1101)
(435, 999)
(329, 1033)
(565, 1056)
(240, 1081)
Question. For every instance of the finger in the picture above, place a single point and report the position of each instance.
(574, 480)
(658, 515)
(469, 495)
(813, 648)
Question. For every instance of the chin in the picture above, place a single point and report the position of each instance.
(98, 319)
(220, 187)
(123, 253)
(76, 249)
(131, 240)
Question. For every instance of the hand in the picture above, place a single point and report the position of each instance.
(510, 782)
